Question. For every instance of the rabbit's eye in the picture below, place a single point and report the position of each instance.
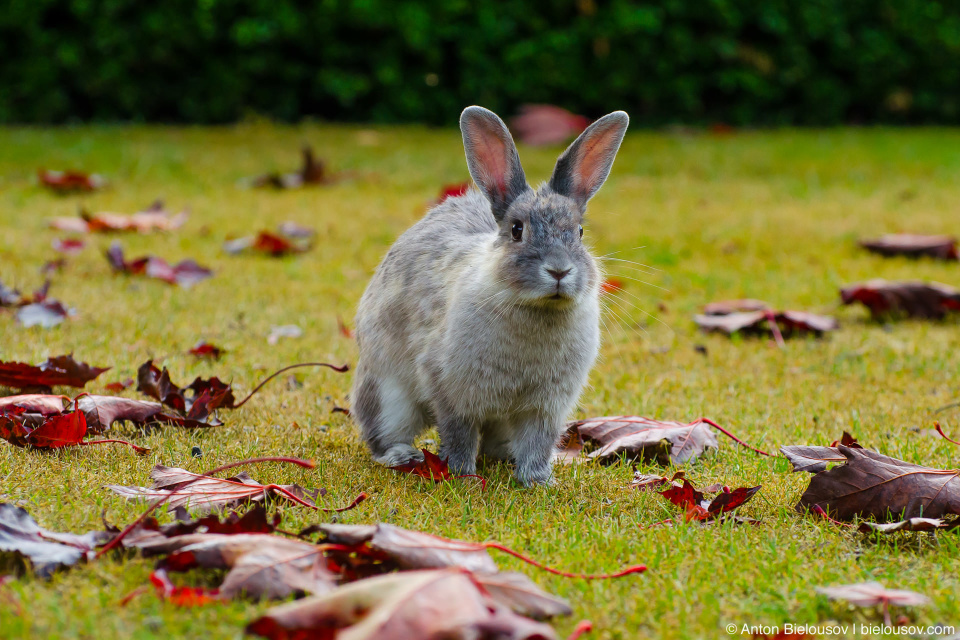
(517, 231)
(581, 231)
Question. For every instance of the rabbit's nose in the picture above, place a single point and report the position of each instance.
(558, 273)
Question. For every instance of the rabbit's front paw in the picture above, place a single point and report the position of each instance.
(529, 476)
(460, 462)
(399, 455)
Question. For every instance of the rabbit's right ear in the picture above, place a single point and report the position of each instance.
(583, 167)
(492, 158)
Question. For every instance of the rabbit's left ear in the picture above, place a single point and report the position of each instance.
(585, 165)
(492, 158)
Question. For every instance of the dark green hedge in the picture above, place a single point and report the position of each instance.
(695, 61)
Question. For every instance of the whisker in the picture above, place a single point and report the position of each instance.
(612, 253)
(639, 264)
(626, 312)
(612, 295)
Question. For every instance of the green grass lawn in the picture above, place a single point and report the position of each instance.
(770, 215)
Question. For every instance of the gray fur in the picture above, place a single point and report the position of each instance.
(466, 328)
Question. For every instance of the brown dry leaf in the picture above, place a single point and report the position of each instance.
(70, 181)
(910, 524)
(406, 549)
(260, 565)
(644, 482)
(313, 171)
(47, 550)
(913, 245)
(911, 298)
(871, 594)
(56, 371)
(644, 438)
(812, 459)
(522, 595)
(185, 273)
(546, 124)
(428, 605)
(788, 323)
(153, 218)
(209, 493)
(870, 484)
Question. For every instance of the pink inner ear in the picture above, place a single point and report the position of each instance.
(592, 156)
(490, 153)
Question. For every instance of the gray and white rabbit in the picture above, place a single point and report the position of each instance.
(483, 318)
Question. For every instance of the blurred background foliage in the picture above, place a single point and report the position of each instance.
(741, 62)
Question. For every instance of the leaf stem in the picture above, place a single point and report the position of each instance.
(940, 431)
(729, 435)
(140, 450)
(273, 375)
(639, 568)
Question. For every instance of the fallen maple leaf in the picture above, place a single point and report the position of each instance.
(546, 124)
(697, 507)
(812, 459)
(611, 285)
(260, 565)
(451, 191)
(646, 482)
(443, 603)
(870, 594)
(120, 385)
(153, 218)
(392, 548)
(68, 181)
(871, 484)
(185, 273)
(100, 412)
(359, 550)
(293, 230)
(313, 171)
(645, 438)
(432, 467)
(10, 297)
(780, 324)
(182, 596)
(180, 488)
(913, 245)
(195, 402)
(55, 372)
(46, 314)
(195, 405)
(204, 349)
(847, 440)
(887, 298)
(69, 246)
(269, 243)
(22, 425)
(35, 310)
(253, 520)
(910, 524)
(344, 330)
(47, 550)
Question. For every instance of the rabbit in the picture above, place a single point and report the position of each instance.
(483, 317)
